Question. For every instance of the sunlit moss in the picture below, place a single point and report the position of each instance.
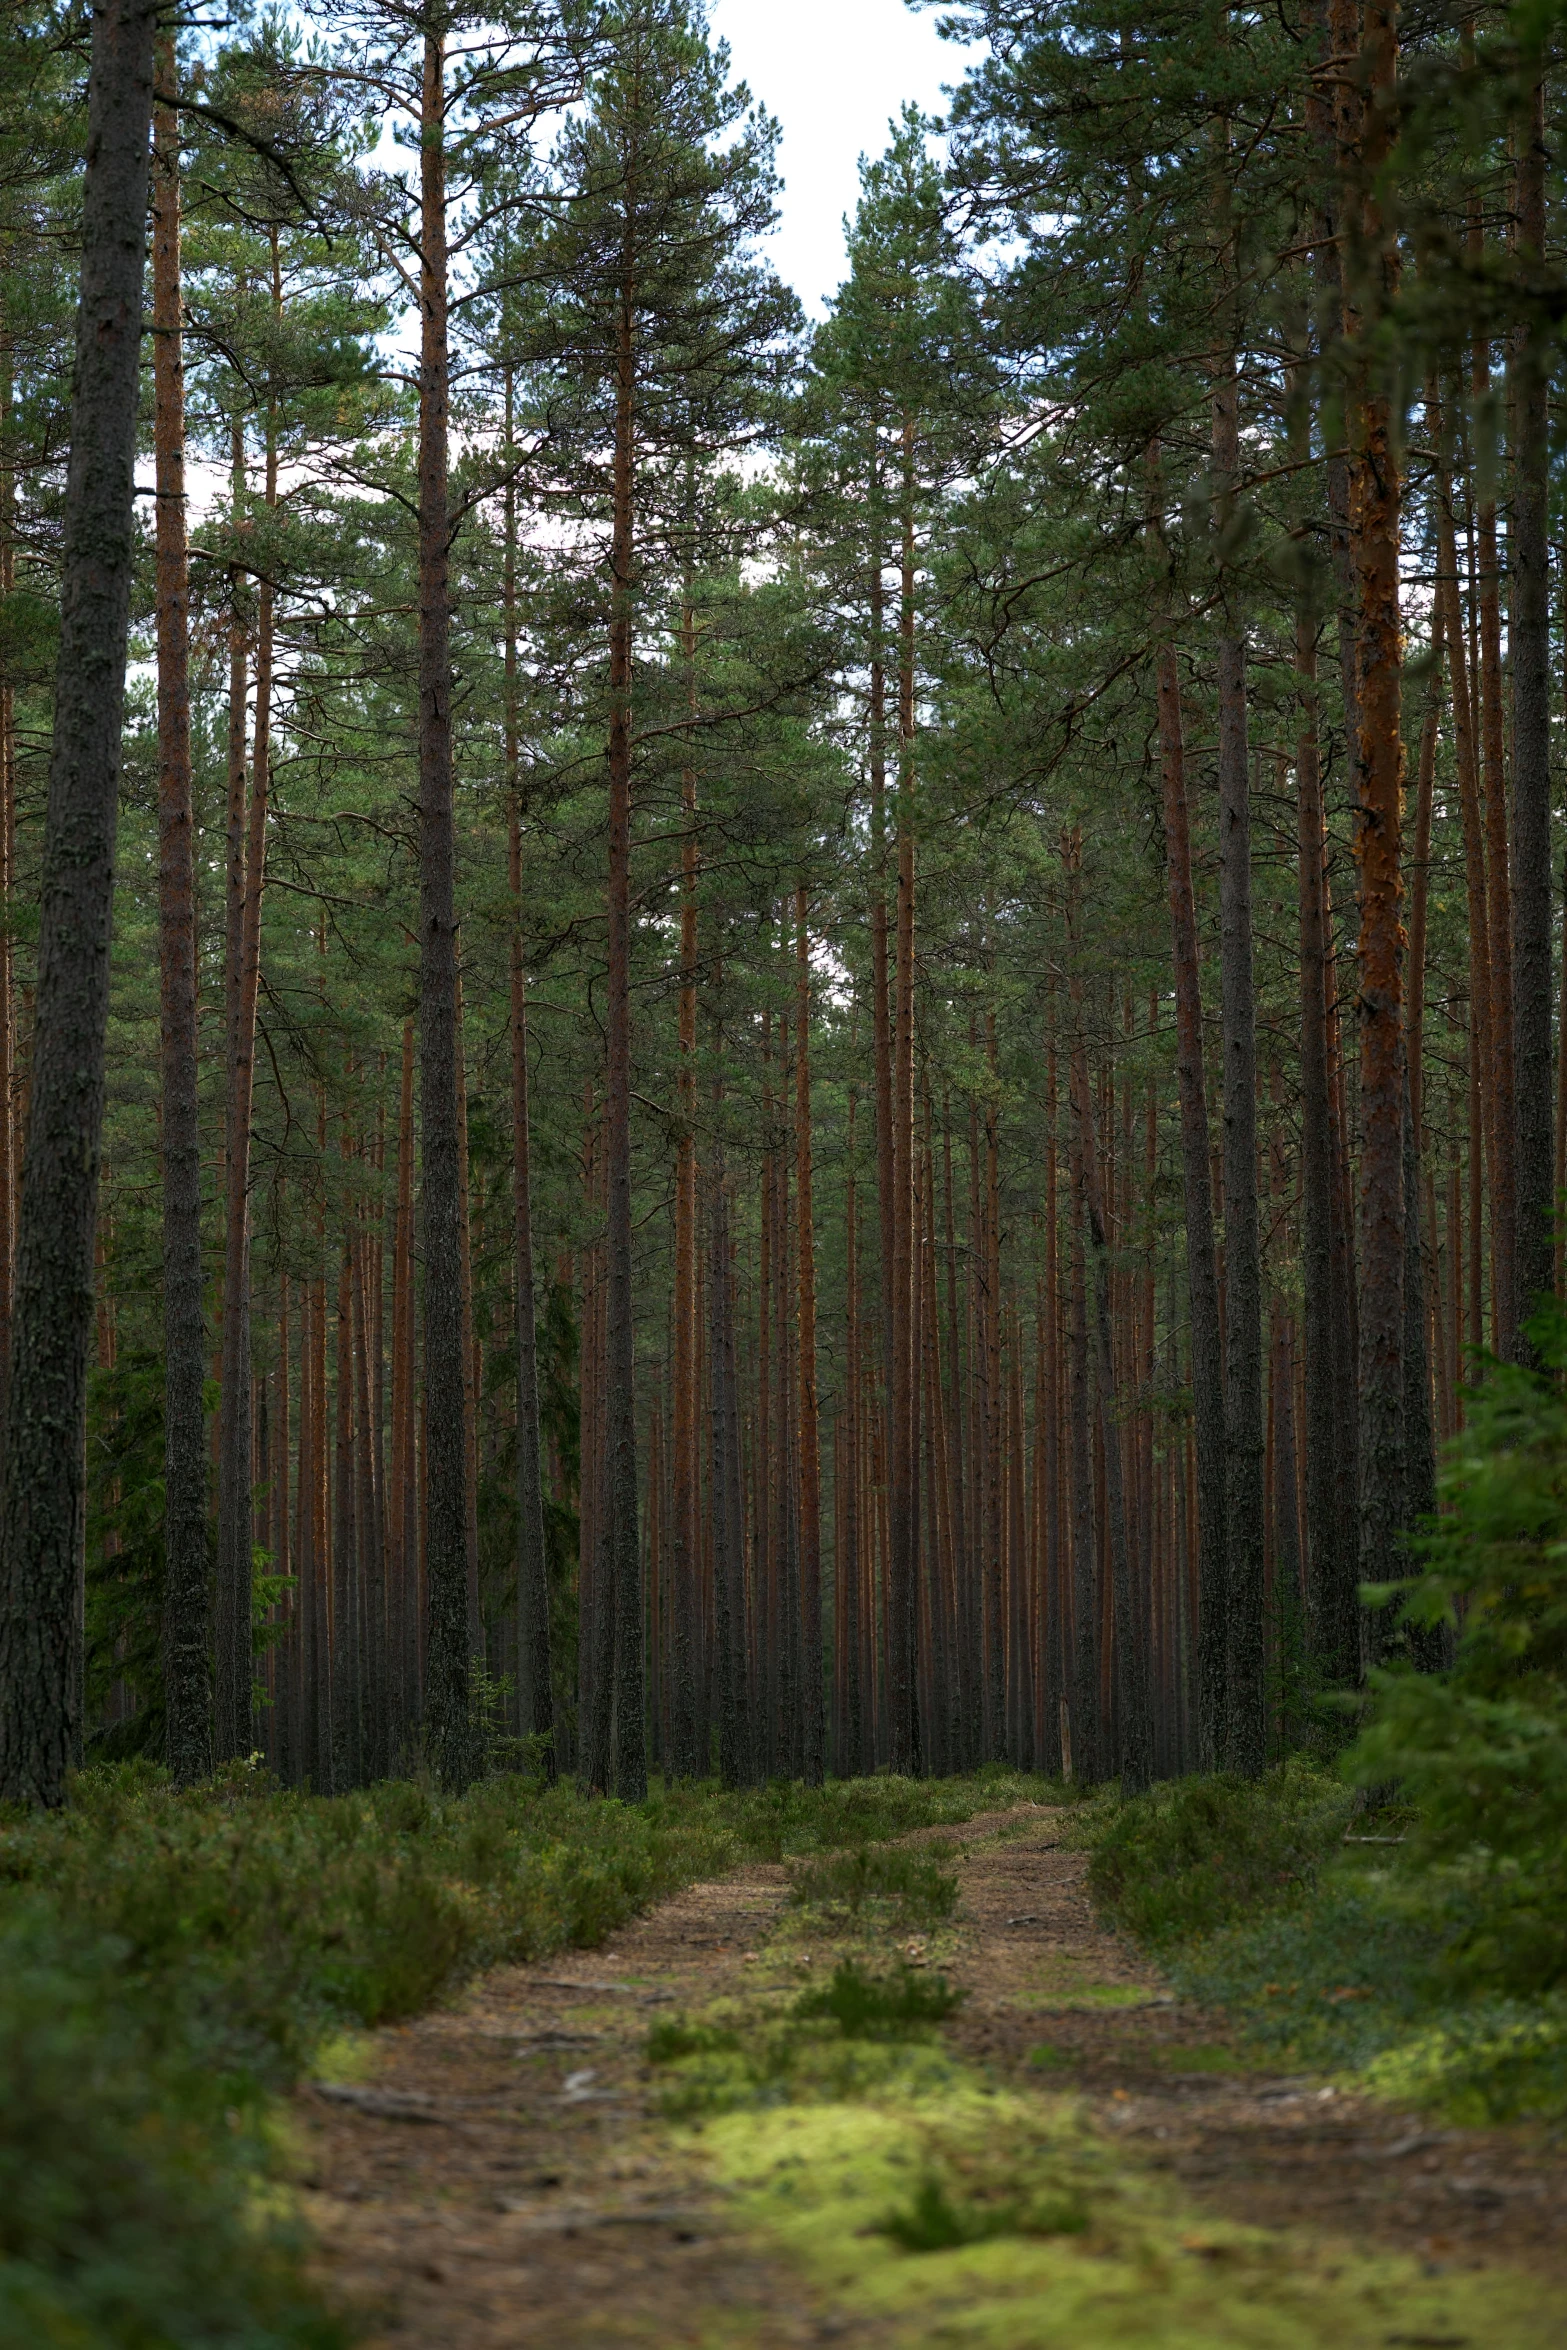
(1138, 2266)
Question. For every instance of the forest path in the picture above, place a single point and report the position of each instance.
(503, 2174)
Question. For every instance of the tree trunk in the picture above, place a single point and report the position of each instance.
(1332, 1615)
(688, 1763)
(1081, 1747)
(902, 1505)
(849, 1757)
(724, 1491)
(1130, 1630)
(881, 1023)
(346, 1691)
(1530, 650)
(403, 1609)
(1050, 1759)
(990, 1465)
(1245, 1713)
(619, 1551)
(810, 1432)
(249, 836)
(1201, 1255)
(8, 1131)
(1374, 517)
(187, 1612)
(449, 1737)
(1419, 1437)
(536, 1713)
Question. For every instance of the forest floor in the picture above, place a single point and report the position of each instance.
(1073, 2154)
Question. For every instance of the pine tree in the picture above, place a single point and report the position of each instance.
(41, 1510)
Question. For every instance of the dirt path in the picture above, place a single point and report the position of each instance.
(502, 2174)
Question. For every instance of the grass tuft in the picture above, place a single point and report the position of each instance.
(1193, 1856)
(909, 1887)
(880, 2007)
(937, 2218)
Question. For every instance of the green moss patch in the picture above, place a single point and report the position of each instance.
(1057, 2238)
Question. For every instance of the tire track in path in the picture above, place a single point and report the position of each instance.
(502, 2176)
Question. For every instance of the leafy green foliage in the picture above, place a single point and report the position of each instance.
(908, 1886)
(1193, 1856)
(880, 2007)
(127, 2216)
(787, 1817)
(168, 1960)
(939, 2217)
(1481, 1751)
(675, 2038)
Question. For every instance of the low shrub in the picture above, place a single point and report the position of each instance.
(968, 2197)
(127, 2207)
(170, 1960)
(1192, 1856)
(787, 1818)
(909, 1886)
(675, 2038)
(880, 2007)
(935, 2219)
(1481, 1750)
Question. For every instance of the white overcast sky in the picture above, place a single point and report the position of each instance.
(834, 72)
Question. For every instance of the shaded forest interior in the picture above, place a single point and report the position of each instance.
(826, 1041)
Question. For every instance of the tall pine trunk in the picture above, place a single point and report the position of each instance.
(1332, 1614)
(903, 1514)
(1081, 1747)
(1245, 1705)
(1202, 1272)
(1530, 649)
(536, 1710)
(620, 1561)
(686, 1494)
(42, 1511)
(187, 1617)
(247, 874)
(1374, 521)
(8, 1132)
(810, 1432)
(448, 1729)
(1133, 1724)
(1245, 1702)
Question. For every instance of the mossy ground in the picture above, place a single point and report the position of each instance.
(702, 2144)
(816, 2183)
(1421, 1980)
(172, 1962)
(931, 2205)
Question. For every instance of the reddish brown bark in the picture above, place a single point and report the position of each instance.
(1374, 524)
(809, 1419)
(187, 1671)
(535, 1696)
(903, 1560)
(620, 1563)
(1202, 1274)
(448, 1727)
(1529, 653)
(686, 1492)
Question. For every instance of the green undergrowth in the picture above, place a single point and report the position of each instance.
(876, 1884)
(856, 2035)
(1425, 1950)
(953, 2213)
(1333, 1940)
(170, 1962)
(923, 2204)
(1201, 1853)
